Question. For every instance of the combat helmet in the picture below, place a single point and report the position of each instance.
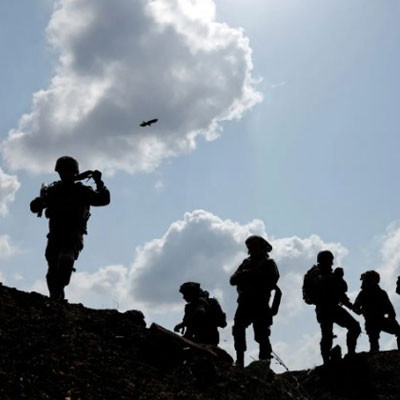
(259, 242)
(325, 255)
(371, 277)
(190, 287)
(67, 163)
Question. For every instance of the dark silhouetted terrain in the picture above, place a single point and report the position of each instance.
(65, 351)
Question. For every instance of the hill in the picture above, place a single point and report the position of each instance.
(51, 350)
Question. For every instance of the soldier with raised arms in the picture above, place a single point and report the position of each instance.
(67, 203)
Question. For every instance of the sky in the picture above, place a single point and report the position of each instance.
(276, 117)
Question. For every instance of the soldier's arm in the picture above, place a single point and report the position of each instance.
(346, 301)
(98, 197)
(357, 306)
(37, 205)
(237, 276)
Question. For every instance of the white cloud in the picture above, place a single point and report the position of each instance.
(106, 288)
(123, 61)
(8, 186)
(7, 249)
(390, 253)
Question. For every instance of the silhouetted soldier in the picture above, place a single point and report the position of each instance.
(203, 315)
(398, 285)
(327, 290)
(374, 304)
(254, 279)
(67, 204)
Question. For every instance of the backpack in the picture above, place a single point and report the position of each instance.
(310, 285)
(216, 315)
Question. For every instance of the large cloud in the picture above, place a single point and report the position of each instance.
(123, 61)
(8, 186)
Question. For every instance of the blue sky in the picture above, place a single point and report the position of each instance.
(314, 161)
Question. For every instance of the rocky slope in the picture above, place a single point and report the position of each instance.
(51, 350)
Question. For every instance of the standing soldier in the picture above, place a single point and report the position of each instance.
(254, 279)
(67, 204)
(327, 290)
(374, 304)
(203, 315)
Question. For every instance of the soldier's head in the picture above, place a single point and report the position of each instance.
(369, 279)
(67, 167)
(257, 246)
(325, 260)
(190, 291)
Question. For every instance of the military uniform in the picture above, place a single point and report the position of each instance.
(332, 290)
(374, 304)
(67, 207)
(203, 315)
(198, 327)
(254, 279)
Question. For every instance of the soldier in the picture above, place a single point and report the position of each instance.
(398, 285)
(327, 290)
(374, 304)
(203, 315)
(254, 279)
(67, 204)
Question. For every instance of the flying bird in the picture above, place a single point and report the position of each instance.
(148, 123)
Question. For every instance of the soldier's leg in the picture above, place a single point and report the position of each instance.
(326, 325)
(51, 254)
(70, 249)
(241, 322)
(345, 320)
(66, 261)
(373, 328)
(262, 333)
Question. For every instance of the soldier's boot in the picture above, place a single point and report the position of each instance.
(373, 344)
(239, 339)
(52, 286)
(265, 350)
(240, 359)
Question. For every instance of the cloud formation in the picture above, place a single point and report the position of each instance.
(7, 249)
(124, 61)
(9, 184)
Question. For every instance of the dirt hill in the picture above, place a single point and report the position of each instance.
(51, 350)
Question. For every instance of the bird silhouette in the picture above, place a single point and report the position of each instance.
(148, 123)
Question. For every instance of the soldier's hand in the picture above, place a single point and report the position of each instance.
(96, 175)
(179, 328)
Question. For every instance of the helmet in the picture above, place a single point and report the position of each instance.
(371, 277)
(325, 255)
(255, 241)
(67, 163)
(190, 287)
